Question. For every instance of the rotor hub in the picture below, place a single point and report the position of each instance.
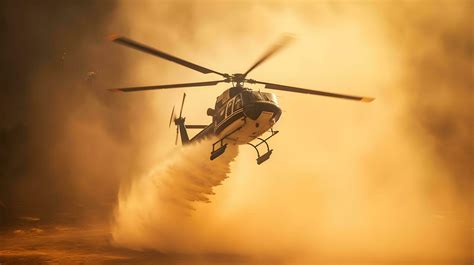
(237, 79)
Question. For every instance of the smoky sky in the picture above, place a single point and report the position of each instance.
(60, 133)
(439, 55)
(54, 70)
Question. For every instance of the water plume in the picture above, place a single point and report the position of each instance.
(157, 209)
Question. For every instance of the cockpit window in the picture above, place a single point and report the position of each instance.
(229, 108)
(271, 97)
(238, 102)
(252, 96)
(221, 113)
(258, 96)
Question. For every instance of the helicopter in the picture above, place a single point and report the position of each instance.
(240, 114)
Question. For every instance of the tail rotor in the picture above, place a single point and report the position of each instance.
(172, 116)
(177, 133)
(178, 121)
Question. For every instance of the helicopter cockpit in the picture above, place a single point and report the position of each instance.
(245, 96)
(253, 102)
(251, 96)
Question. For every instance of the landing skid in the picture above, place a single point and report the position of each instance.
(221, 149)
(221, 146)
(266, 156)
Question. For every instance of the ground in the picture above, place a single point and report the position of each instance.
(87, 245)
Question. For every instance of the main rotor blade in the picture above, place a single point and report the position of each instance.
(285, 40)
(312, 92)
(182, 104)
(143, 88)
(150, 50)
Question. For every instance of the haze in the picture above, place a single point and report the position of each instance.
(348, 183)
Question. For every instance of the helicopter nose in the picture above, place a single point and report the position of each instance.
(253, 111)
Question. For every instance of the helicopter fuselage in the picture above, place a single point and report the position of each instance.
(241, 115)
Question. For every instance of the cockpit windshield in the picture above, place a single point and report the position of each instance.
(261, 96)
(270, 97)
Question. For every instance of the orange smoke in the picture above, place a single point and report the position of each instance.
(347, 181)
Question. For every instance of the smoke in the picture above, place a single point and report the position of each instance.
(346, 181)
(60, 130)
(389, 181)
(158, 209)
